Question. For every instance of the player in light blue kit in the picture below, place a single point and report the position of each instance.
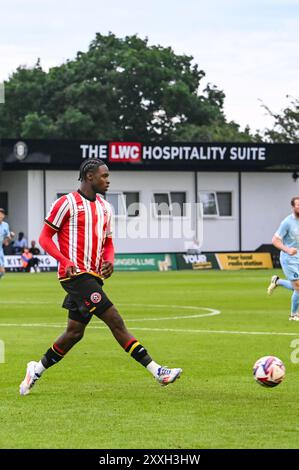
(286, 239)
(5, 234)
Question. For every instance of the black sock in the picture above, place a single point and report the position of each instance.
(52, 356)
(138, 352)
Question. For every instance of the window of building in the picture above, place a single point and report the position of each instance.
(216, 204)
(209, 203)
(225, 204)
(169, 204)
(162, 204)
(178, 201)
(118, 203)
(132, 203)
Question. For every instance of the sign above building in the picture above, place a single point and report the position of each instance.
(138, 156)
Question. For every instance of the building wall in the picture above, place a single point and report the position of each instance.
(265, 202)
(167, 234)
(35, 204)
(16, 185)
(221, 233)
(158, 235)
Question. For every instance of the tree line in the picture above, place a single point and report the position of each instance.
(122, 88)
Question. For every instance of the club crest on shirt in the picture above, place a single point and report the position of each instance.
(95, 297)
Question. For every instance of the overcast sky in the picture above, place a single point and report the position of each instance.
(248, 48)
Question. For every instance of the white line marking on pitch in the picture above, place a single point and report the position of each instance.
(211, 311)
(173, 330)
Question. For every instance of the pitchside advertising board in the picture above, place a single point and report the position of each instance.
(139, 262)
(235, 261)
(68, 155)
(198, 261)
(164, 261)
(14, 263)
(145, 262)
(225, 261)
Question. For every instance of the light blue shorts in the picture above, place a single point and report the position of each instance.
(2, 260)
(290, 268)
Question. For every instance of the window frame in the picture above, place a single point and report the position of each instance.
(123, 203)
(132, 217)
(232, 205)
(184, 215)
(170, 215)
(218, 215)
(209, 216)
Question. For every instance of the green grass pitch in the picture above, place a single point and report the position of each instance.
(99, 397)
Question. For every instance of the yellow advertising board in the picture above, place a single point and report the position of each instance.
(244, 260)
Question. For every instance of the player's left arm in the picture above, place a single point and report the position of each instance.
(108, 258)
(108, 249)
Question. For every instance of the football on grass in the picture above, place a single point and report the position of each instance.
(269, 371)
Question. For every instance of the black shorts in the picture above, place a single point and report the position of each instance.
(85, 297)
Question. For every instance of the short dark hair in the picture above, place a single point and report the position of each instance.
(2, 210)
(89, 165)
(293, 200)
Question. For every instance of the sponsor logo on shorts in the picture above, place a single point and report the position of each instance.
(96, 297)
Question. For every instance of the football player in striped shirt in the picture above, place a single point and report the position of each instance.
(82, 221)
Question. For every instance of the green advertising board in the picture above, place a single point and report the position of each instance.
(197, 261)
(145, 262)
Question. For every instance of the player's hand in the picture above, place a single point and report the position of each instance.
(12, 234)
(107, 269)
(292, 251)
(70, 269)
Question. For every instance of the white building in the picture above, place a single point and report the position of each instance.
(245, 189)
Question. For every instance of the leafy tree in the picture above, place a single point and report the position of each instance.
(37, 126)
(286, 124)
(118, 89)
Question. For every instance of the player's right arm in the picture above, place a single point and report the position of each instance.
(108, 249)
(278, 237)
(56, 217)
(277, 242)
(46, 242)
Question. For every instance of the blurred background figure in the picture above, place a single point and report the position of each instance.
(20, 244)
(29, 262)
(34, 249)
(5, 236)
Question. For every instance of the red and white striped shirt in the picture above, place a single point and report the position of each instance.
(82, 226)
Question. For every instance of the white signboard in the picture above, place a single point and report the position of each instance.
(14, 263)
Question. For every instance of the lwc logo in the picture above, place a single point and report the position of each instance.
(125, 152)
